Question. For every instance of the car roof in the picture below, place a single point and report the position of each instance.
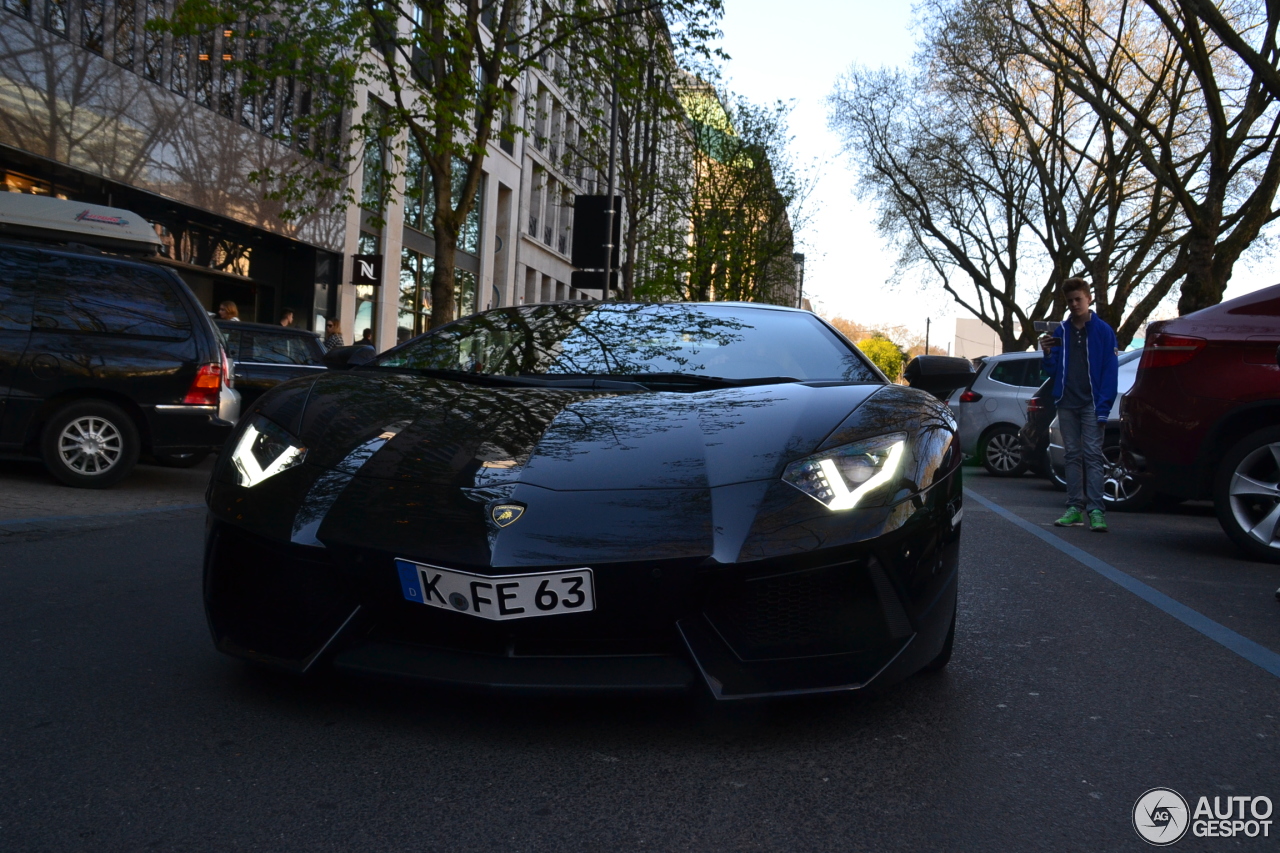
(1008, 356)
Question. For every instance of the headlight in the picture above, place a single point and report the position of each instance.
(263, 451)
(843, 477)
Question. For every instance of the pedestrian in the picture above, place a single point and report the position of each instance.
(286, 318)
(333, 335)
(228, 311)
(366, 339)
(1080, 356)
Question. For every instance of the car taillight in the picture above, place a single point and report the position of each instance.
(970, 396)
(205, 387)
(1034, 405)
(1169, 350)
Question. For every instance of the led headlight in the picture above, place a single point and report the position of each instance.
(843, 477)
(263, 451)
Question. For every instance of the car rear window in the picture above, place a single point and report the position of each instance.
(266, 348)
(85, 295)
(1024, 372)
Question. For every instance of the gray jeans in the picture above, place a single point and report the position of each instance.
(1082, 443)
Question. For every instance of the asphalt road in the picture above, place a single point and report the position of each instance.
(1067, 698)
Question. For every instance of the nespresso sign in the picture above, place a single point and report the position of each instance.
(366, 269)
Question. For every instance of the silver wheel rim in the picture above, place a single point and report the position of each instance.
(1254, 494)
(1004, 452)
(90, 445)
(1118, 482)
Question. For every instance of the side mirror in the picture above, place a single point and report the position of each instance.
(343, 358)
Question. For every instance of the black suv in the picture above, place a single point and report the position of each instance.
(101, 359)
(266, 355)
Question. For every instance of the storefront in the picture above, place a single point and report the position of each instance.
(219, 258)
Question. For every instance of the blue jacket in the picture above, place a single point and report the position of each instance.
(1103, 367)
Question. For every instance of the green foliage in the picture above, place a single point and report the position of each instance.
(447, 74)
(883, 353)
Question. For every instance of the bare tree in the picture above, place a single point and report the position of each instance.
(951, 192)
(1098, 211)
(1217, 155)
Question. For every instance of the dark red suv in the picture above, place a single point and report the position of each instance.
(1203, 417)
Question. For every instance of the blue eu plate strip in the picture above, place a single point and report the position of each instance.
(409, 581)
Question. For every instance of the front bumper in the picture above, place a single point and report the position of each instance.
(832, 620)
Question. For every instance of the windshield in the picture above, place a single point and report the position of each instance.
(594, 339)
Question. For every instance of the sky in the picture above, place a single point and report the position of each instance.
(795, 51)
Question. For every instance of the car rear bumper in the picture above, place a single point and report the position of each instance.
(184, 429)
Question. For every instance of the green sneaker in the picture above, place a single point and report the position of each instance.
(1073, 518)
(1097, 521)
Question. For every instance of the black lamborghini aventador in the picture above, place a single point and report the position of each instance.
(594, 497)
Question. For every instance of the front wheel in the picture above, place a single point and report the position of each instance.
(90, 444)
(1246, 494)
(1001, 452)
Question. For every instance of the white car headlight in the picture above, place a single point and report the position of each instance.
(843, 477)
(264, 450)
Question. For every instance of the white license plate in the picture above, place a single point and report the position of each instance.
(498, 596)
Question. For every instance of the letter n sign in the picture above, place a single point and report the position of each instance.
(366, 269)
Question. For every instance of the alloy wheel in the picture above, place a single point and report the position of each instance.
(1004, 452)
(1119, 482)
(1254, 494)
(90, 445)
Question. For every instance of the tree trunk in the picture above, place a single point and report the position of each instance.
(1201, 288)
(442, 277)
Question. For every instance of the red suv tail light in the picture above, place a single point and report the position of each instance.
(206, 387)
(970, 396)
(1169, 350)
(1035, 404)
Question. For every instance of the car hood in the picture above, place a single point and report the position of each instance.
(474, 436)
(417, 468)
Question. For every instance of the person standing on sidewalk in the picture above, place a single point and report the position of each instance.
(1080, 355)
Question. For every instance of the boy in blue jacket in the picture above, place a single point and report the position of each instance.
(1080, 355)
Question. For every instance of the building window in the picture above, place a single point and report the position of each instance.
(180, 66)
(55, 16)
(419, 199)
(414, 310)
(126, 13)
(204, 71)
(373, 189)
(19, 7)
(153, 60)
(92, 16)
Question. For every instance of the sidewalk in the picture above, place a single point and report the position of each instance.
(28, 492)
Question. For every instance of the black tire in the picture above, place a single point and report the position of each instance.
(944, 657)
(90, 444)
(1001, 452)
(1246, 494)
(181, 460)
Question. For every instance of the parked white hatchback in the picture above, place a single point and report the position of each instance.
(994, 407)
